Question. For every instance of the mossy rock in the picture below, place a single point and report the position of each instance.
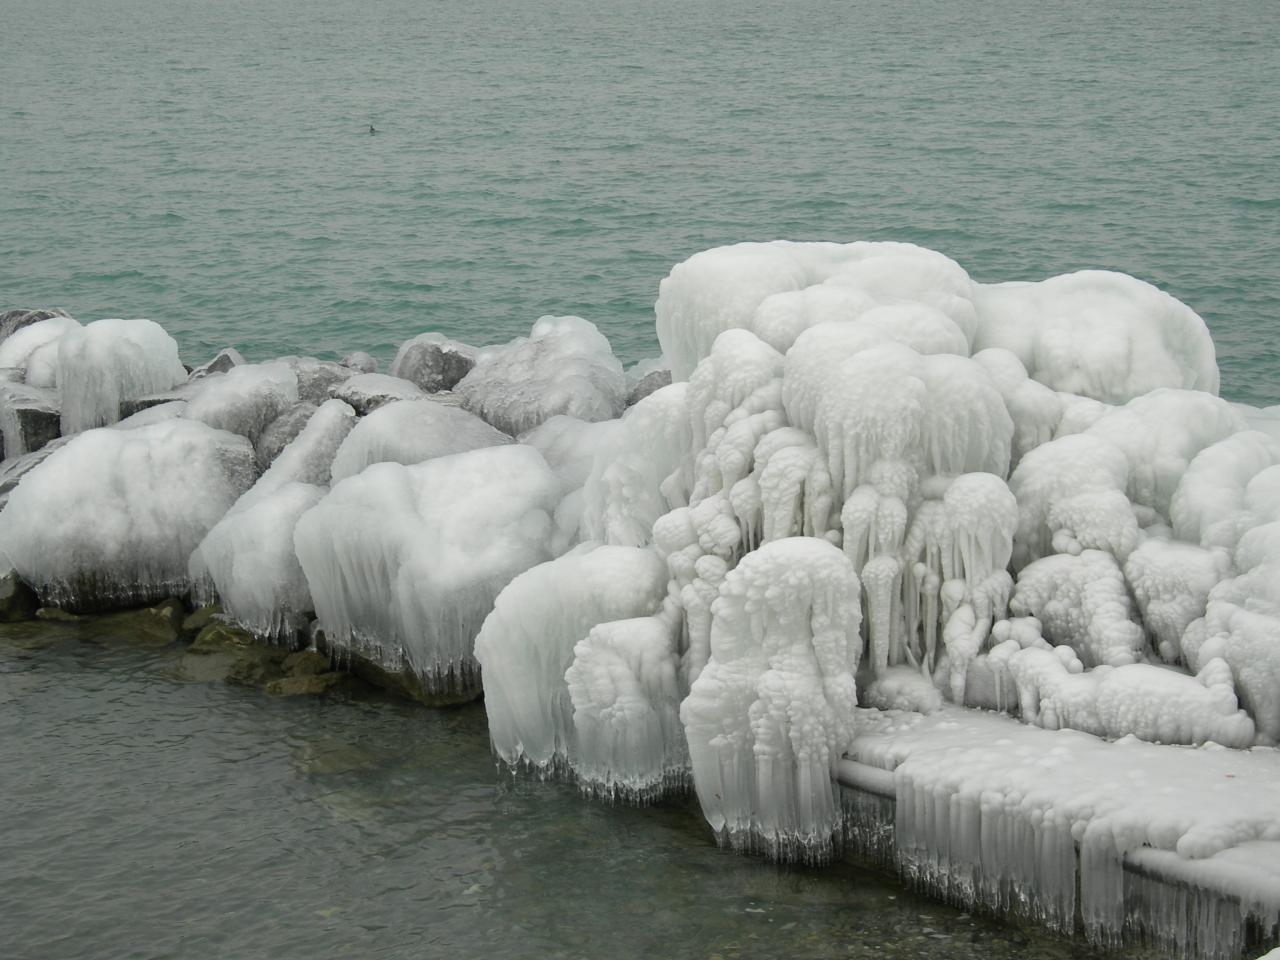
(309, 685)
(200, 618)
(306, 663)
(225, 652)
(220, 637)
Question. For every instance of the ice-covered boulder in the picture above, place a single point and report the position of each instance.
(411, 431)
(248, 560)
(645, 377)
(221, 363)
(245, 399)
(1098, 334)
(11, 321)
(360, 362)
(109, 361)
(527, 643)
(404, 562)
(772, 712)
(433, 362)
(111, 517)
(565, 366)
(366, 392)
(279, 433)
(32, 350)
(318, 379)
(29, 418)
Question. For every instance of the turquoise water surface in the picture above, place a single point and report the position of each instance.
(209, 164)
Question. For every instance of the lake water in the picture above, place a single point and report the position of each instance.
(209, 165)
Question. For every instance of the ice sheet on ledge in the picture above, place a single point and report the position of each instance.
(991, 812)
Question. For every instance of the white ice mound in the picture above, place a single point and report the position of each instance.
(404, 563)
(412, 431)
(773, 710)
(245, 399)
(112, 517)
(108, 362)
(625, 686)
(248, 560)
(527, 643)
(778, 290)
(1098, 334)
(33, 350)
(565, 365)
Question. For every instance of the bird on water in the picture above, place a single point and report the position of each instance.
(371, 130)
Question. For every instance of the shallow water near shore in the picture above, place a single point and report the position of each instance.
(149, 817)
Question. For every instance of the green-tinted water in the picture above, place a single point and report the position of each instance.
(209, 164)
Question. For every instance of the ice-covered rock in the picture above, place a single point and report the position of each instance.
(360, 362)
(527, 644)
(1171, 582)
(564, 366)
(412, 431)
(111, 517)
(404, 562)
(224, 360)
(29, 418)
(246, 399)
(279, 433)
(1098, 334)
(32, 349)
(645, 377)
(366, 392)
(248, 560)
(772, 712)
(318, 379)
(433, 362)
(110, 361)
(11, 321)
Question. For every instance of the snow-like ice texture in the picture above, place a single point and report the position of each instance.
(991, 814)
(571, 448)
(778, 290)
(625, 686)
(565, 365)
(648, 474)
(1165, 706)
(245, 399)
(411, 431)
(109, 361)
(433, 361)
(248, 560)
(1082, 601)
(1036, 410)
(111, 517)
(33, 350)
(360, 362)
(1171, 581)
(404, 562)
(772, 712)
(1071, 497)
(903, 688)
(527, 644)
(1098, 334)
(366, 392)
(1209, 506)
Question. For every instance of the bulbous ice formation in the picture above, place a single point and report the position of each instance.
(411, 431)
(527, 644)
(772, 711)
(564, 366)
(111, 517)
(248, 560)
(1098, 334)
(110, 361)
(245, 399)
(404, 563)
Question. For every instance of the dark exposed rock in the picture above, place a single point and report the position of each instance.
(281, 431)
(317, 378)
(29, 419)
(306, 663)
(433, 362)
(651, 381)
(224, 652)
(366, 392)
(310, 685)
(11, 321)
(200, 618)
(224, 361)
(17, 601)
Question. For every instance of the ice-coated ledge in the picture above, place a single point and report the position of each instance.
(1121, 840)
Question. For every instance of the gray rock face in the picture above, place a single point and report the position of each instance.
(11, 321)
(224, 361)
(433, 361)
(366, 392)
(360, 362)
(651, 381)
(317, 378)
(29, 419)
(281, 432)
